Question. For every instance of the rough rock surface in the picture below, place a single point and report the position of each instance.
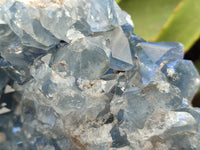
(73, 76)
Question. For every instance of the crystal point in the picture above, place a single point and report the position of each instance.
(154, 51)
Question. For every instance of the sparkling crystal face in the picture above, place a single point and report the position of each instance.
(73, 76)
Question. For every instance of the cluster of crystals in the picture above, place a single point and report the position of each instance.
(74, 77)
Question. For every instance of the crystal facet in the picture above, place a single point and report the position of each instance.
(42, 24)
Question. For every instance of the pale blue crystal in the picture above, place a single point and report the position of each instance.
(81, 79)
(146, 66)
(162, 51)
(150, 101)
(43, 28)
(85, 58)
(17, 57)
(27, 27)
(176, 51)
(46, 115)
(154, 51)
(184, 75)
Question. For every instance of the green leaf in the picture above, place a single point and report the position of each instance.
(118, 1)
(149, 16)
(184, 25)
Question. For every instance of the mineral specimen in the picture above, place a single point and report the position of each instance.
(73, 76)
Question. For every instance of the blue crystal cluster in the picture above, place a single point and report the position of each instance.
(73, 76)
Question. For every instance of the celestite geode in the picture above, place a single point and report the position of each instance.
(73, 76)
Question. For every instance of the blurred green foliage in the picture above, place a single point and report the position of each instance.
(184, 24)
(118, 1)
(149, 16)
(165, 20)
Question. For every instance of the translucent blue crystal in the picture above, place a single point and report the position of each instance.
(161, 51)
(16, 57)
(147, 67)
(28, 28)
(184, 75)
(86, 58)
(73, 76)
(136, 100)
(154, 51)
(43, 28)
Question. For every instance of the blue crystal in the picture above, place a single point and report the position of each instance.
(81, 79)
(85, 59)
(15, 129)
(184, 75)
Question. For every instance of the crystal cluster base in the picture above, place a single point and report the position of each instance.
(73, 76)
